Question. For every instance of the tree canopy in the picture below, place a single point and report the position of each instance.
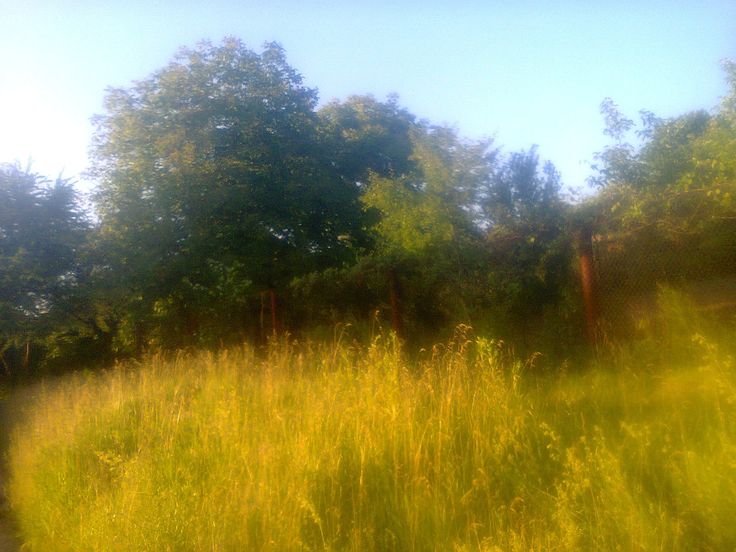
(215, 173)
(42, 234)
(230, 204)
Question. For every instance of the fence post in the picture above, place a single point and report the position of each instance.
(27, 356)
(584, 246)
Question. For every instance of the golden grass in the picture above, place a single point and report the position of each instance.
(338, 447)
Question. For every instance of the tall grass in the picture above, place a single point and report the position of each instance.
(339, 447)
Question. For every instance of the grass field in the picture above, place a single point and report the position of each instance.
(341, 447)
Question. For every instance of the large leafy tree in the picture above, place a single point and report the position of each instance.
(676, 187)
(427, 242)
(364, 140)
(366, 136)
(422, 256)
(665, 211)
(528, 242)
(42, 234)
(213, 181)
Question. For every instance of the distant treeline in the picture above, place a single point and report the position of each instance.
(229, 206)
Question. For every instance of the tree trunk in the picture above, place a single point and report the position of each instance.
(27, 357)
(587, 282)
(274, 315)
(262, 318)
(397, 320)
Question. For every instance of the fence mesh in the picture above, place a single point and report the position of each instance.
(630, 269)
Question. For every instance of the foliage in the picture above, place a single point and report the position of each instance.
(364, 136)
(227, 198)
(665, 213)
(530, 246)
(431, 206)
(680, 178)
(217, 160)
(42, 237)
(425, 234)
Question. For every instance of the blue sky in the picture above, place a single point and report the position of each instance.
(525, 72)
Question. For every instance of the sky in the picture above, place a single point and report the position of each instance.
(523, 72)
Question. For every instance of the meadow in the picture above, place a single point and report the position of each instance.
(346, 447)
(227, 203)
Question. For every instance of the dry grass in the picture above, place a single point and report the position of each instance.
(339, 447)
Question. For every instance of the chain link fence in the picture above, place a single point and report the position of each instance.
(631, 269)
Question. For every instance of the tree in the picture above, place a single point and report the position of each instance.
(519, 194)
(528, 241)
(679, 180)
(365, 136)
(363, 139)
(426, 238)
(665, 211)
(616, 163)
(42, 232)
(212, 181)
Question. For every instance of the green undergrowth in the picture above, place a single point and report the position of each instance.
(342, 447)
